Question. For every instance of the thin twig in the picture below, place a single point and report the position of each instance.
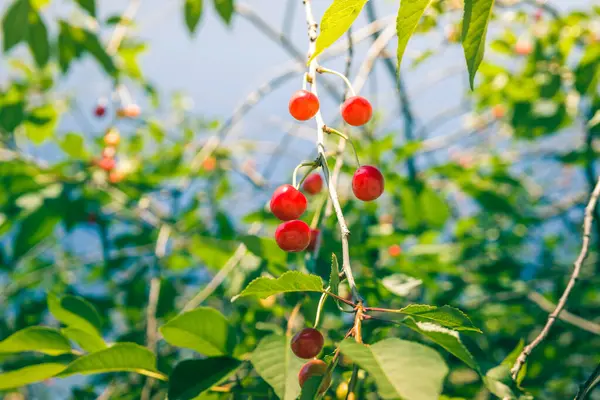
(122, 26)
(151, 329)
(565, 315)
(345, 232)
(587, 226)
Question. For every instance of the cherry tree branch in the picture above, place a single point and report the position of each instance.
(345, 232)
(587, 227)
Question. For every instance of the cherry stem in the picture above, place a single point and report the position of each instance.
(323, 70)
(305, 81)
(335, 296)
(303, 164)
(328, 129)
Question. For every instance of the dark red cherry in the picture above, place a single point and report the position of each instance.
(307, 343)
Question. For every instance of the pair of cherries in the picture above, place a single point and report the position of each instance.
(288, 204)
(307, 344)
(356, 110)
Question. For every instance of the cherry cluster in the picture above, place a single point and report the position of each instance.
(112, 138)
(288, 203)
(307, 344)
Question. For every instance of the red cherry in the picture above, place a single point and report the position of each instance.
(367, 183)
(293, 236)
(314, 368)
(313, 184)
(100, 110)
(287, 203)
(303, 105)
(315, 236)
(307, 343)
(356, 111)
(106, 163)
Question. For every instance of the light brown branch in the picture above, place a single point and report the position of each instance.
(587, 227)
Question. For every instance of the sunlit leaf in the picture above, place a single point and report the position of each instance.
(291, 281)
(36, 338)
(192, 11)
(224, 9)
(75, 312)
(475, 24)
(409, 14)
(30, 374)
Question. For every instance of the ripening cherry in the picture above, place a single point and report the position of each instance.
(303, 105)
(539, 13)
(498, 111)
(394, 250)
(287, 203)
(523, 47)
(129, 111)
(293, 236)
(341, 391)
(307, 343)
(367, 183)
(313, 184)
(109, 152)
(209, 164)
(315, 238)
(115, 177)
(314, 368)
(356, 111)
(106, 163)
(112, 137)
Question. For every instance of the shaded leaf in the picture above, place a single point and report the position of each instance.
(30, 374)
(127, 357)
(334, 276)
(75, 312)
(409, 14)
(278, 366)
(204, 330)
(192, 377)
(338, 18)
(446, 316)
(475, 25)
(15, 23)
(400, 368)
(265, 248)
(88, 5)
(37, 38)
(33, 229)
(36, 338)
(291, 281)
(224, 9)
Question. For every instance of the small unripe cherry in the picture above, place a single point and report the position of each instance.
(112, 137)
(307, 343)
(315, 238)
(209, 164)
(367, 183)
(356, 111)
(106, 163)
(394, 250)
(293, 236)
(341, 391)
(287, 203)
(313, 184)
(109, 152)
(129, 111)
(303, 105)
(314, 368)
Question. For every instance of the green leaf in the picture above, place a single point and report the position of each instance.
(89, 6)
(36, 338)
(278, 366)
(37, 38)
(192, 377)
(310, 389)
(213, 252)
(192, 11)
(92, 44)
(334, 276)
(400, 368)
(291, 281)
(265, 248)
(224, 9)
(30, 374)
(33, 229)
(204, 330)
(437, 209)
(338, 18)
(73, 145)
(447, 338)
(15, 23)
(41, 123)
(67, 47)
(409, 14)
(87, 341)
(446, 316)
(499, 382)
(127, 357)
(475, 25)
(75, 312)
(11, 115)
